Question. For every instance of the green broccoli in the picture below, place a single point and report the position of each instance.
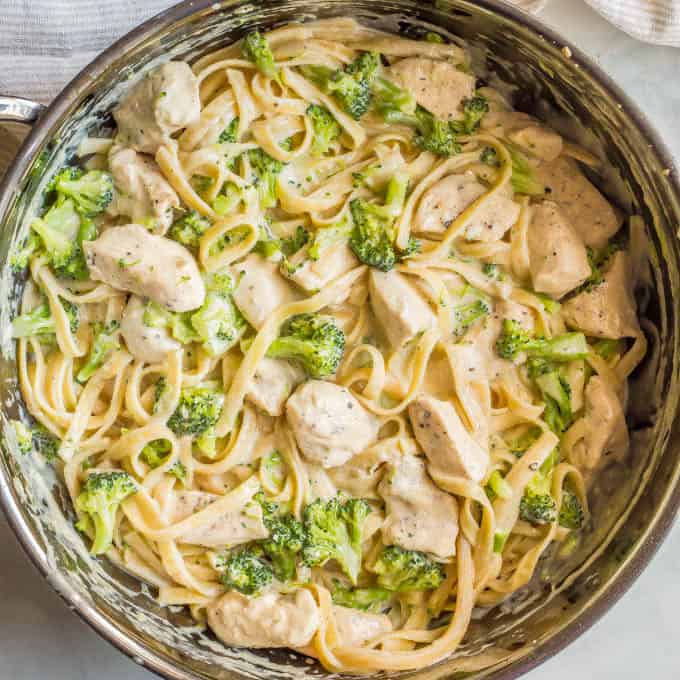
(598, 262)
(373, 236)
(474, 110)
(466, 314)
(23, 435)
(196, 414)
(351, 87)
(555, 392)
(405, 570)
(270, 245)
(92, 191)
(434, 38)
(387, 96)
(189, 228)
(571, 515)
(218, 323)
(225, 202)
(62, 232)
(178, 323)
(266, 171)
(229, 134)
(326, 128)
(155, 452)
(38, 321)
(523, 177)
(314, 341)
(537, 505)
(608, 349)
(437, 136)
(326, 237)
(285, 542)
(97, 504)
(45, 442)
(22, 257)
(497, 487)
(256, 49)
(493, 271)
(245, 571)
(525, 441)
(514, 340)
(104, 342)
(551, 306)
(366, 599)
(489, 156)
(179, 472)
(334, 531)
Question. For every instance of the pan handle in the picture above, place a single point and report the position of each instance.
(18, 110)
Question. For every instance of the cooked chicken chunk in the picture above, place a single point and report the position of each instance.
(312, 275)
(269, 620)
(606, 433)
(329, 423)
(142, 193)
(449, 447)
(608, 309)
(419, 515)
(320, 484)
(524, 131)
(588, 211)
(399, 308)
(355, 628)
(446, 200)
(558, 258)
(437, 86)
(272, 384)
(163, 102)
(260, 289)
(233, 527)
(130, 258)
(145, 343)
(507, 309)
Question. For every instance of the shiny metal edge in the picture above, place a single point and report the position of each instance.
(658, 528)
(19, 110)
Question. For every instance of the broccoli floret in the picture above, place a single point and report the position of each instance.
(474, 110)
(179, 472)
(189, 228)
(104, 342)
(38, 321)
(523, 178)
(325, 127)
(256, 49)
(266, 171)
(326, 237)
(465, 315)
(493, 271)
(608, 349)
(387, 96)
(92, 192)
(155, 452)
(497, 487)
(178, 323)
(433, 38)
(404, 570)
(218, 323)
(72, 314)
(437, 136)
(366, 599)
(551, 306)
(334, 531)
(21, 258)
(98, 501)
(489, 156)
(245, 571)
(159, 391)
(373, 237)
(351, 87)
(46, 443)
(598, 261)
(537, 505)
(571, 513)
(314, 341)
(514, 340)
(23, 435)
(556, 394)
(227, 200)
(62, 232)
(525, 441)
(285, 542)
(228, 135)
(198, 411)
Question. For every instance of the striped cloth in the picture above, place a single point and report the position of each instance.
(44, 43)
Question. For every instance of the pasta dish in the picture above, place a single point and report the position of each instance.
(329, 343)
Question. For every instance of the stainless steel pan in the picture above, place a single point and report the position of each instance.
(641, 500)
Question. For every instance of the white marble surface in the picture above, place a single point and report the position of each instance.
(40, 638)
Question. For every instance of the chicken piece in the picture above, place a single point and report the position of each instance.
(329, 423)
(524, 131)
(419, 515)
(163, 102)
(447, 199)
(151, 345)
(142, 193)
(312, 275)
(606, 433)
(355, 628)
(260, 290)
(449, 447)
(399, 308)
(272, 384)
(269, 620)
(591, 215)
(360, 478)
(507, 309)
(234, 527)
(320, 484)
(130, 258)
(437, 86)
(607, 310)
(558, 259)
